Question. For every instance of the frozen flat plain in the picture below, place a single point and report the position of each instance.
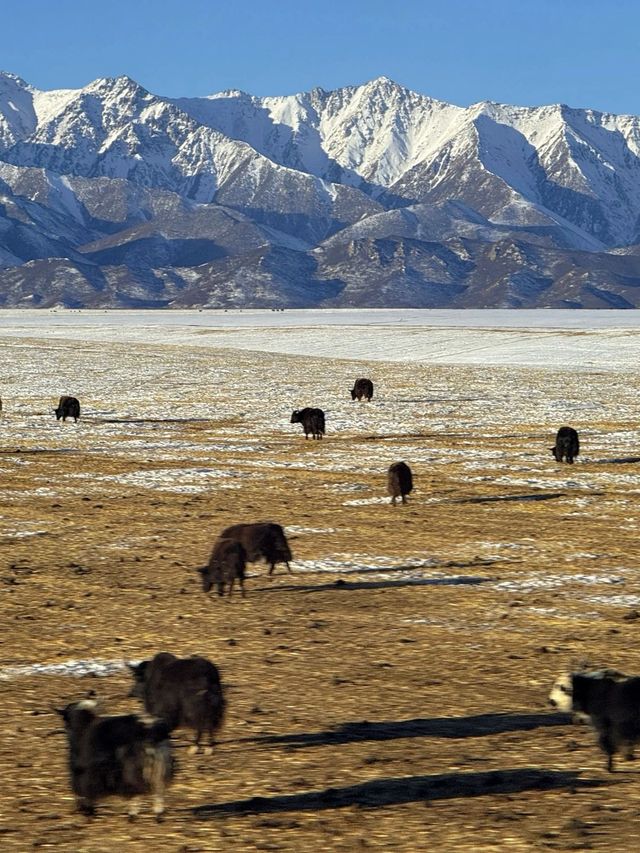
(391, 692)
(575, 339)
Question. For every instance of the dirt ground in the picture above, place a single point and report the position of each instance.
(390, 694)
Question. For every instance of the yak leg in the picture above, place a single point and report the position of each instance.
(231, 586)
(606, 744)
(404, 499)
(242, 592)
(158, 783)
(194, 749)
(85, 806)
(134, 808)
(158, 804)
(288, 567)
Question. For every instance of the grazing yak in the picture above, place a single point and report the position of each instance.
(399, 481)
(68, 407)
(362, 388)
(183, 692)
(124, 756)
(263, 540)
(610, 701)
(567, 445)
(227, 564)
(312, 421)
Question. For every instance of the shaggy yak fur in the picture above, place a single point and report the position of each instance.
(362, 388)
(312, 421)
(122, 755)
(227, 564)
(261, 541)
(68, 407)
(567, 445)
(183, 692)
(399, 481)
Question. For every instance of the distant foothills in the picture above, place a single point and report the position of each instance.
(366, 196)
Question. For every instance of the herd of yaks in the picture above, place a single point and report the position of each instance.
(130, 756)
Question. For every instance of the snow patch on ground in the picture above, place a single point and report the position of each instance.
(73, 668)
(551, 581)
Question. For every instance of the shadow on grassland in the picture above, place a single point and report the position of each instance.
(479, 725)
(341, 585)
(408, 789)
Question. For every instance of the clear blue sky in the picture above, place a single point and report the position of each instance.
(580, 52)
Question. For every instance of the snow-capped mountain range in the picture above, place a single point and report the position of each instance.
(368, 195)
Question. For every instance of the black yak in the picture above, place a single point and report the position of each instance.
(399, 481)
(262, 540)
(567, 445)
(184, 692)
(611, 701)
(362, 388)
(68, 407)
(122, 755)
(226, 564)
(312, 421)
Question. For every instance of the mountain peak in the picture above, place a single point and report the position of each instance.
(9, 79)
(119, 85)
(199, 190)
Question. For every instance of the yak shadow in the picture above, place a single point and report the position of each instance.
(152, 420)
(622, 460)
(547, 496)
(479, 725)
(380, 793)
(460, 580)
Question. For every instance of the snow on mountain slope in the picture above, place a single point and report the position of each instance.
(17, 115)
(451, 219)
(582, 164)
(115, 128)
(374, 132)
(339, 195)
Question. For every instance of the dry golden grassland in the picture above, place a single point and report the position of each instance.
(390, 694)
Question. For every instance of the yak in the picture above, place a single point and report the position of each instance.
(263, 540)
(121, 755)
(68, 407)
(312, 421)
(227, 564)
(610, 701)
(567, 445)
(399, 481)
(362, 388)
(183, 692)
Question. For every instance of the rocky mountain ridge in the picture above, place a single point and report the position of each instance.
(369, 195)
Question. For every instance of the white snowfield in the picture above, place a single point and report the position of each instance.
(575, 340)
